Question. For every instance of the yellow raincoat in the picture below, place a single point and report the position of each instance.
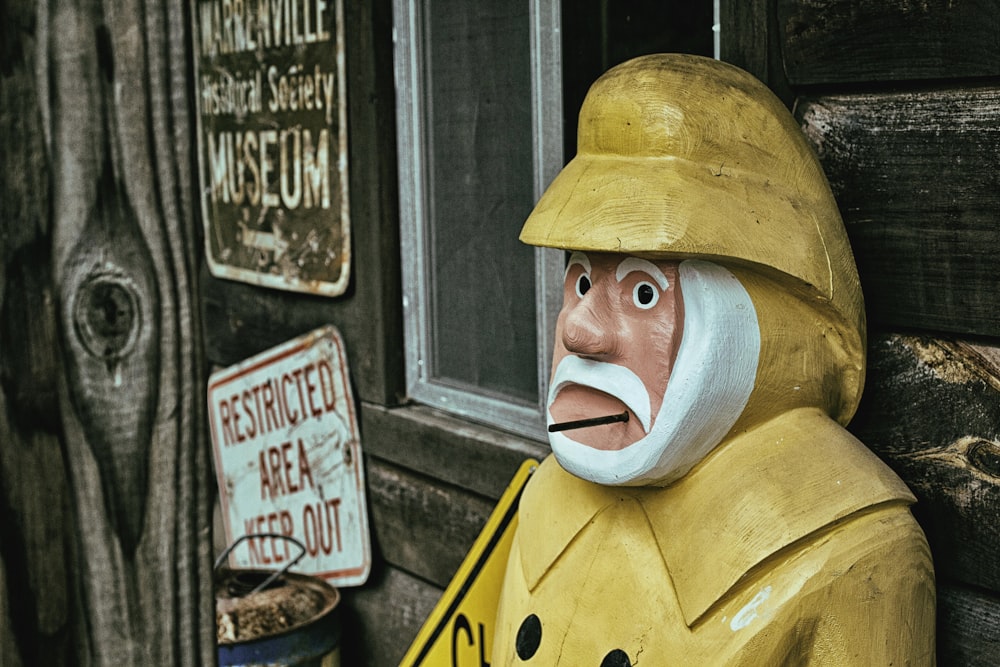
(790, 545)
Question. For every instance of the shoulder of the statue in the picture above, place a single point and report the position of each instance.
(553, 510)
(760, 492)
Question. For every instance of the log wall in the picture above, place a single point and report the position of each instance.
(900, 100)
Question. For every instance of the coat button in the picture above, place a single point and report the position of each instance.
(616, 658)
(529, 636)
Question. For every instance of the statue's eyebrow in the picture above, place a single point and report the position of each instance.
(577, 258)
(630, 264)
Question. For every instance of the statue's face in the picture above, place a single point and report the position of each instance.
(681, 368)
(623, 316)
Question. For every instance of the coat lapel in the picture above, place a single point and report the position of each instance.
(555, 507)
(756, 494)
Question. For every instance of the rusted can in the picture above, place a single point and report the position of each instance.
(276, 618)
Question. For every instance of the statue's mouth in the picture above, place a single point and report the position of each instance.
(586, 423)
(593, 417)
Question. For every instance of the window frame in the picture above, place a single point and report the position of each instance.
(547, 142)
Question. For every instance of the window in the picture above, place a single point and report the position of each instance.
(479, 113)
(480, 89)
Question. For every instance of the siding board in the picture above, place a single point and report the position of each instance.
(931, 409)
(421, 525)
(750, 39)
(104, 542)
(968, 627)
(382, 618)
(914, 175)
(851, 41)
(36, 533)
(473, 457)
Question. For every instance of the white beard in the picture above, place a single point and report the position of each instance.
(708, 389)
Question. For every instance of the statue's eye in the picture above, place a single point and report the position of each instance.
(645, 295)
(582, 285)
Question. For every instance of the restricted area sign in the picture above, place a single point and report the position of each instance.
(272, 141)
(288, 459)
(459, 631)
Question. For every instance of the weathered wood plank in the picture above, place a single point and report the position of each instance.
(9, 651)
(455, 451)
(744, 39)
(931, 409)
(241, 320)
(420, 525)
(834, 41)
(37, 525)
(968, 627)
(914, 175)
(750, 39)
(382, 618)
(102, 457)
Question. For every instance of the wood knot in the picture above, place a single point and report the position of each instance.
(106, 316)
(985, 457)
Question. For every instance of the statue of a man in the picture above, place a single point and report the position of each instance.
(705, 505)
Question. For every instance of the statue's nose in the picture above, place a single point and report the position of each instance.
(589, 330)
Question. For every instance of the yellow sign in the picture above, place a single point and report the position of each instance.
(459, 632)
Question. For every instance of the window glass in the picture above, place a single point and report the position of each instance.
(479, 122)
(480, 90)
(480, 188)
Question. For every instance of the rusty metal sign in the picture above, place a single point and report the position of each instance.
(288, 459)
(272, 142)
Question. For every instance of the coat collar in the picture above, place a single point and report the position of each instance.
(757, 493)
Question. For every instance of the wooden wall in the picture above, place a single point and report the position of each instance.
(104, 478)
(902, 102)
(432, 480)
(104, 505)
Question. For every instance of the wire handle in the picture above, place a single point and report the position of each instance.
(274, 575)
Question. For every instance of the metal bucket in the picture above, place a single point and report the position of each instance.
(276, 618)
